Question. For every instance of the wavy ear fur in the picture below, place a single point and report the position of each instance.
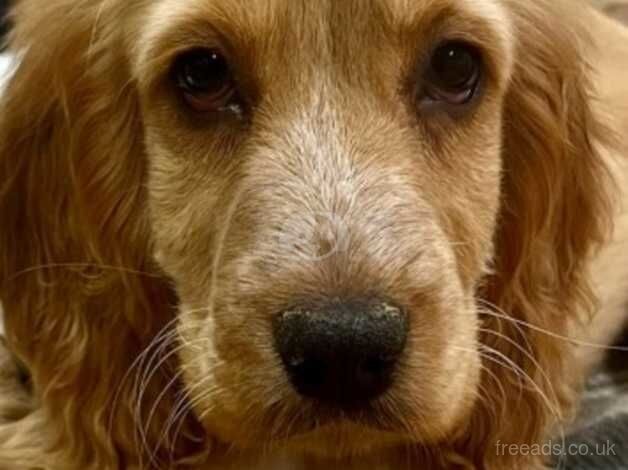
(556, 211)
(82, 297)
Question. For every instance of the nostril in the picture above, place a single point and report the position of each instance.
(311, 373)
(375, 366)
(342, 352)
(373, 375)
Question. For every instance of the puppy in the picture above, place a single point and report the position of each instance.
(308, 234)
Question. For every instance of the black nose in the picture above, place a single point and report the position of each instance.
(344, 353)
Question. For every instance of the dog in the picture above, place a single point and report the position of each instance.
(291, 234)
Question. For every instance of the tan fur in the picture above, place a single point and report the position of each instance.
(144, 252)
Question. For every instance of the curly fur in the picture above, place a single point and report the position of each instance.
(88, 295)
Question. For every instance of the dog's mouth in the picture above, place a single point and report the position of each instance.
(333, 435)
(342, 438)
(366, 418)
(327, 432)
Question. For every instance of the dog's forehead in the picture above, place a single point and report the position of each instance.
(267, 10)
(305, 37)
(262, 22)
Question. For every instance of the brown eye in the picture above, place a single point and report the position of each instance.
(204, 76)
(454, 73)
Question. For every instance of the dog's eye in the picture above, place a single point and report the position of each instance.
(453, 74)
(205, 79)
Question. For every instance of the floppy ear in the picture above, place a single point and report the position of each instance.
(81, 295)
(555, 212)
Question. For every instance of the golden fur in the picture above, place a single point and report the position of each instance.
(143, 252)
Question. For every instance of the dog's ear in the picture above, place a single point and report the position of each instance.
(555, 212)
(82, 298)
(557, 203)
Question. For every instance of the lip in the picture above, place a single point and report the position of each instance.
(318, 419)
(341, 426)
(343, 438)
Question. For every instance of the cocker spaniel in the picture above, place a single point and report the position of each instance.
(308, 234)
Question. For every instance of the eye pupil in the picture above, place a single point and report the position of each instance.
(454, 66)
(453, 74)
(204, 72)
(205, 80)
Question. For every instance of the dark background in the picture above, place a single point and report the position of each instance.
(3, 27)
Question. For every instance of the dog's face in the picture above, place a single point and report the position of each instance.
(377, 215)
(324, 189)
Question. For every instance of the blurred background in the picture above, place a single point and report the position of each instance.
(616, 8)
(3, 8)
